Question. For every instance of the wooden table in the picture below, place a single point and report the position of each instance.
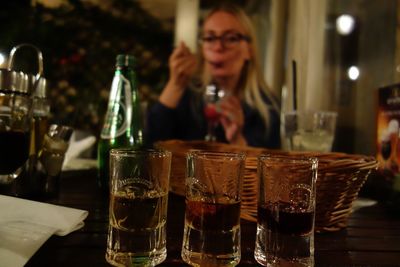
(372, 237)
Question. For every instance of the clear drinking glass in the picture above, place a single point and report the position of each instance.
(212, 96)
(309, 130)
(138, 207)
(15, 118)
(212, 217)
(51, 158)
(286, 210)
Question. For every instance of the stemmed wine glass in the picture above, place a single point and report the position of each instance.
(212, 95)
(15, 124)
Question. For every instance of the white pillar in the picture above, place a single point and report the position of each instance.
(306, 46)
(186, 23)
(275, 47)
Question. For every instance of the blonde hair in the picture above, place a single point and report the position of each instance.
(251, 83)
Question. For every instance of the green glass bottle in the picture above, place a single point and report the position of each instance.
(123, 124)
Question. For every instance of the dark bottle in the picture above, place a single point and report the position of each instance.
(123, 125)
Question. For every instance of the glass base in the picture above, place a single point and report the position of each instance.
(283, 250)
(204, 260)
(261, 258)
(133, 259)
(210, 138)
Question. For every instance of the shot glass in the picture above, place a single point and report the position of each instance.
(138, 207)
(309, 130)
(286, 211)
(212, 216)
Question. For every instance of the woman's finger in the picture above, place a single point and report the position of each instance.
(189, 65)
(179, 50)
(232, 109)
(182, 66)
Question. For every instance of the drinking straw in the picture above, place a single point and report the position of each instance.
(294, 80)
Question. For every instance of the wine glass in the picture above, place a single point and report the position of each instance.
(212, 95)
(15, 124)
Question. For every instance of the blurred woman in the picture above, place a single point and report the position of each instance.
(248, 115)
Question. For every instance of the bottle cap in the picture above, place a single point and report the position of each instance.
(125, 61)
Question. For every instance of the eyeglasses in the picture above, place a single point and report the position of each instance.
(228, 40)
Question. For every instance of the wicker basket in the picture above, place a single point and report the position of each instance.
(340, 177)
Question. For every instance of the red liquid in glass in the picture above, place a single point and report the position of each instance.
(211, 113)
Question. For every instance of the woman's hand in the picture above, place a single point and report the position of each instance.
(232, 119)
(182, 64)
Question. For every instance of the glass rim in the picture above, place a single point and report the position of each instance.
(318, 112)
(220, 154)
(139, 152)
(300, 159)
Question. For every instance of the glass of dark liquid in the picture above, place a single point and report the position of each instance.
(212, 216)
(15, 121)
(286, 210)
(212, 95)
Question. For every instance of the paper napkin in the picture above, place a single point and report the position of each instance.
(25, 225)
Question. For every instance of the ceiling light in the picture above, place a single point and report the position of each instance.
(345, 24)
(353, 72)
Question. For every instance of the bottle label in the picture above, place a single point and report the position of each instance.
(119, 112)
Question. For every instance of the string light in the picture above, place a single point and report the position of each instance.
(345, 24)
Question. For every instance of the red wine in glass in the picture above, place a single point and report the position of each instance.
(15, 121)
(211, 113)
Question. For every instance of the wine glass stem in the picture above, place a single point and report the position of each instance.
(211, 132)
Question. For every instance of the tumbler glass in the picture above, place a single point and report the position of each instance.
(309, 130)
(286, 210)
(212, 216)
(138, 207)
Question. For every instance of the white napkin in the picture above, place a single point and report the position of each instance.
(25, 225)
(80, 164)
(362, 203)
(75, 148)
